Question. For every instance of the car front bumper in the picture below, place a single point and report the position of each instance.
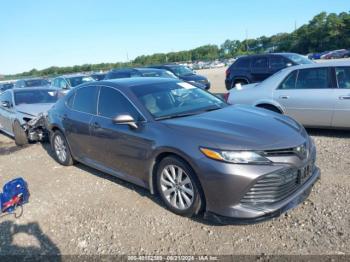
(225, 185)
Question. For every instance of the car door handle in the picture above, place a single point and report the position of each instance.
(95, 125)
(344, 97)
(284, 97)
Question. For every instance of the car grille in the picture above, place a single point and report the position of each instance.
(273, 188)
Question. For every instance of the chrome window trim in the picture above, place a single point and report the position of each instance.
(98, 99)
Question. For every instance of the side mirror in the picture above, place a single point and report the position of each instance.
(6, 104)
(125, 119)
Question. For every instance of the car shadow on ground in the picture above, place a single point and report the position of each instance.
(138, 189)
(9, 147)
(10, 235)
(332, 133)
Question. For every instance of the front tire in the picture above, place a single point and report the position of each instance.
(20, 135)
(178, 187)
(61, 149)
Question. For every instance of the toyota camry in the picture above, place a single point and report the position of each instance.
(188, 146)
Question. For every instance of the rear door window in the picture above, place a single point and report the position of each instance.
(343, 77)
(260, 63)
(86, 100)
(243, 62)
(313, 78)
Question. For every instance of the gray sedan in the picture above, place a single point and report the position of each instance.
(193, 149)
(19, 106)
(316, 95)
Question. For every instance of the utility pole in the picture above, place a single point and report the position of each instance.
(246, 39)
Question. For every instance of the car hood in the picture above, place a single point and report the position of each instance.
(240, 128)
(193, 77)
(33, 109)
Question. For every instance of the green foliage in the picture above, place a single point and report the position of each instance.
(323, 32)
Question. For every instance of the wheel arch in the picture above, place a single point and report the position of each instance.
(159, 156)
(273, 103)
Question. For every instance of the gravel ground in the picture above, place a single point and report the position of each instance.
(78, 210)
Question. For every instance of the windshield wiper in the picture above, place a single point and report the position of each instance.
(175, 116)
(189, 114)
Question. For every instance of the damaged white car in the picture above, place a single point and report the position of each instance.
(22, 113)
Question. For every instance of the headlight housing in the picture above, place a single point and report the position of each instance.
(236, 157)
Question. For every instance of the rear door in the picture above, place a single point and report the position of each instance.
(260, 68)
(77, 121)
(341, 116)
(308, 96)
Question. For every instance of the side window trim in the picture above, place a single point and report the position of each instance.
(286, 77)
(144, 119)
(75, 92)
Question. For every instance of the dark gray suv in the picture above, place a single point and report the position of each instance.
(187, 145)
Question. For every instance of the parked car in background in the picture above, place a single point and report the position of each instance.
(316, 95)
(185, 74)
(184, 143)
(98, 76)
(143, 72)
(32, 82)
(18, 106)
(256, 68)
(317, 56)
(342, 53)
(67, 82)
(5, 86)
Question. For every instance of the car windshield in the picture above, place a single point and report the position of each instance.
(176, 99)
(298, 59)
(77, 80)
(181, 70)
(35, 96)
(36, 82)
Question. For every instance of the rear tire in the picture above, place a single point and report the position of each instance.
(178, 187)
(20, 135)
(61, 149)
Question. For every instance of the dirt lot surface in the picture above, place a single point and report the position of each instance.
(78, 210)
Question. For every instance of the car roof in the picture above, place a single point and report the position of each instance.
(320, 64)
(34, 89)
(125, 83)
(32, 78)
(72, 75)
(148, 69)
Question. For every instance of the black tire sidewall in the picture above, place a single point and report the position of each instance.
(197, 204)
(69, 159)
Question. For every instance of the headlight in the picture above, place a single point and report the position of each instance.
(236, 157)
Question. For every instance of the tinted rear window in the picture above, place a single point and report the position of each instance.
(243, 62)
(85, 99)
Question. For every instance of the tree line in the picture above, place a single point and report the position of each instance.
(323, 32)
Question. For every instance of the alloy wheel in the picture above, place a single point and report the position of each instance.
(60, 148)
(177, 187)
